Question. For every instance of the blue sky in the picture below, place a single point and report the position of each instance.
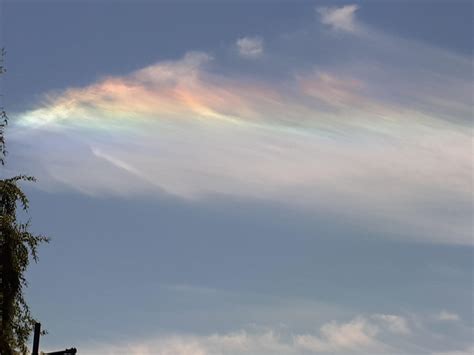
(239, 178)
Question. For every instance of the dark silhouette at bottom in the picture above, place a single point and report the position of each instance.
(36, 339)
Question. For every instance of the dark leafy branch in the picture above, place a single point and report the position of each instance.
(17, 248)
(17, 245)
(3, 114)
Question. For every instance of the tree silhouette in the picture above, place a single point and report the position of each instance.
(3, 115)
(17, 247)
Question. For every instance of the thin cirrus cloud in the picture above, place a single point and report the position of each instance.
(368, 146)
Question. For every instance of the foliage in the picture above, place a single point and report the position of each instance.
(3, 115)
(17, 247)
(17, 244)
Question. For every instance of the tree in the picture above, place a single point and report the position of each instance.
(3, 115)
(17, 247)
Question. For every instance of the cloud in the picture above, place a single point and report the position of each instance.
(371, 334)
(339, 18)
(250, 47)
(394, 323)
(467, 351)
(354, 336)
(384, 148)
(232, 343)
(448, 316)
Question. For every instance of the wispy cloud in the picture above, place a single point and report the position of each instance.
(339, 18)
(354, 336)
(369, 334)
(370, 147)
(466, 351)
(448, 316)
(394, 323)
(250, 47)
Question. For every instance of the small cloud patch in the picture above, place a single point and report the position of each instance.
(339, 18)
(250, 47)
(447, 316)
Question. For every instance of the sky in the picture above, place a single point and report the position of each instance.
(243, 177)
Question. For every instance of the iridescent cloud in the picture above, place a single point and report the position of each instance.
(323, 137)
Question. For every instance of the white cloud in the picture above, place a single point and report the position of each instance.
(232, 343)
(394, 323)
(250, 47)
(467, 351)
(370, 334)
(339, 18)
(356, 335)
(447, 316)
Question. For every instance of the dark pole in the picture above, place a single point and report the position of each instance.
(71, 351)
(36, 338)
